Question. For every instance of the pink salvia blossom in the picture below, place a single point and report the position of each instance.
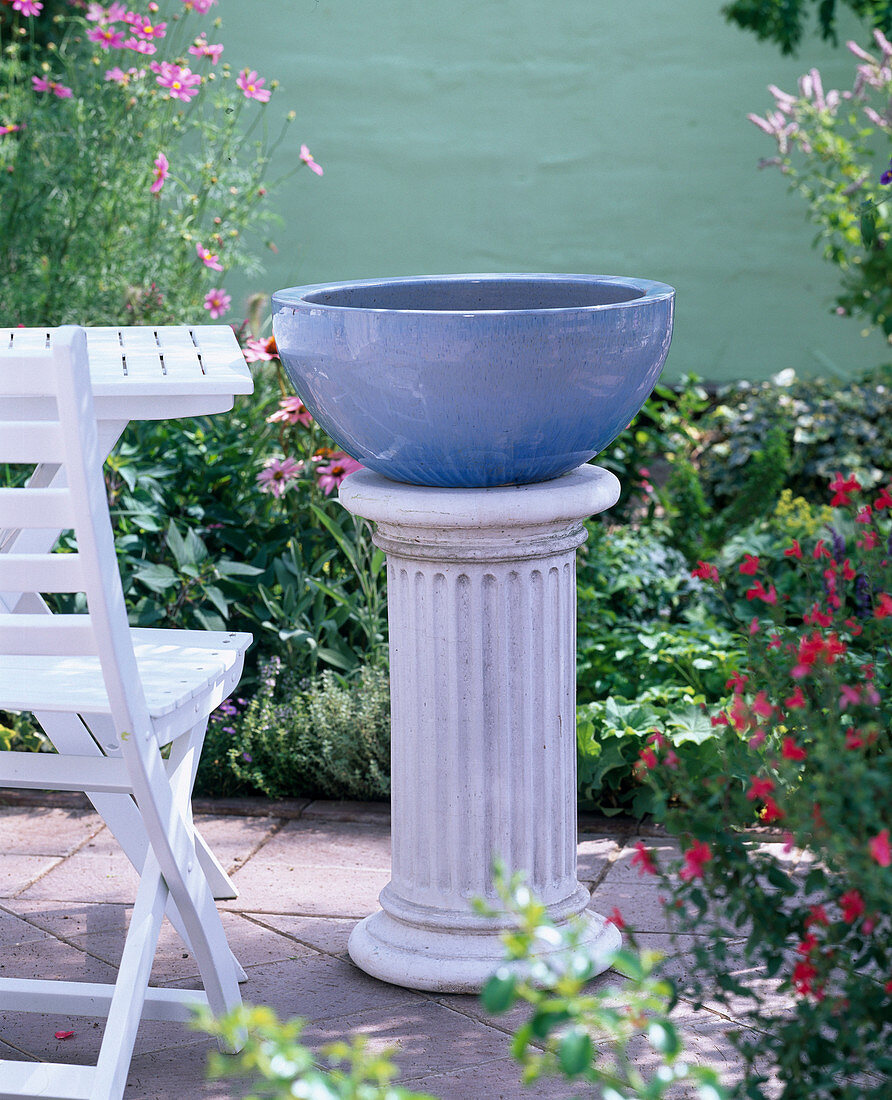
(252, 86)
(307, 157)
(217, 302)
(881, 849)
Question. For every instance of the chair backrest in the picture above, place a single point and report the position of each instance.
(47, 420)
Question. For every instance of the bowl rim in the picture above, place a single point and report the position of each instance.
(650, 291)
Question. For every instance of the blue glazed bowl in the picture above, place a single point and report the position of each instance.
(468, 381)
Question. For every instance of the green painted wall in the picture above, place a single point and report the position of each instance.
(604, 136)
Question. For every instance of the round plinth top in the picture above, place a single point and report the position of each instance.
(583, 492)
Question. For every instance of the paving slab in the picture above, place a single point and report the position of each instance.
(19, 872)
(44, 831)
(304, 881)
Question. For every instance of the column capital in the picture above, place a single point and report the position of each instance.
(499, 524)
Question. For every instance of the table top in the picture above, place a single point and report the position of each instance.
(154, 360)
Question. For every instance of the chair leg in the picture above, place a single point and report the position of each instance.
(172, 840)
(120, 813)
(134, 972)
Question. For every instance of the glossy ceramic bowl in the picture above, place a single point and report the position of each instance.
(469, 381)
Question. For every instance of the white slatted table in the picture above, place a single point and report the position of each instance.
(137, 373)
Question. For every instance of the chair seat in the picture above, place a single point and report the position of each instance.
(177, 667)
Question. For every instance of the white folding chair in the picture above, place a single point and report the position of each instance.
(113, 697)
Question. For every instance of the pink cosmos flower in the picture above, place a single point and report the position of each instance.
(217, 302)
(181, 83)
(118, 75)
(331, 475)
(200, 6)
(880, 848)
(208, 258)
(291, 411)
(27, 7)
(114, 13)
(202, 48)
(162, 171)
(277, 473)
(252, 85)
(140, 45)
(307, 157)
(145, 27)
(107, 37)
(41, 85)
(8, 128)
(260, 351)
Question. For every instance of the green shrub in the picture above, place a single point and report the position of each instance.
(145, 228)
(328, 738)
(805, 747)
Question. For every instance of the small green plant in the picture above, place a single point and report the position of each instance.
(328, 737)
(283, 1068)
(586, 1032)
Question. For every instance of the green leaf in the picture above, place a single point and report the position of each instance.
(664, 1038)
(499, 992)
(575, 1052)
(156, 577)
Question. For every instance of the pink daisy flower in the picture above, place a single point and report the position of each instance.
(162, 171)
(202, 48)
(252, 85)
(217, 302)
(292, 411)
(276, 475)
(261, 351)
(27, 7)
(208, 258)
(307, 157)
(333, 473)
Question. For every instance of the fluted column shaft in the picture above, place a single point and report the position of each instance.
(482, 616)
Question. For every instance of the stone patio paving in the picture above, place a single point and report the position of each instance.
(305, 872)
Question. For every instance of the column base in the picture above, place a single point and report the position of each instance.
(452, 961)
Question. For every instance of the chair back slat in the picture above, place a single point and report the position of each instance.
(47, 635)
(45, 377)
(41, 573)
(30, 441)
(44, 508)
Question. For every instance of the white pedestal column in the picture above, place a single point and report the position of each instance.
(482, 612)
